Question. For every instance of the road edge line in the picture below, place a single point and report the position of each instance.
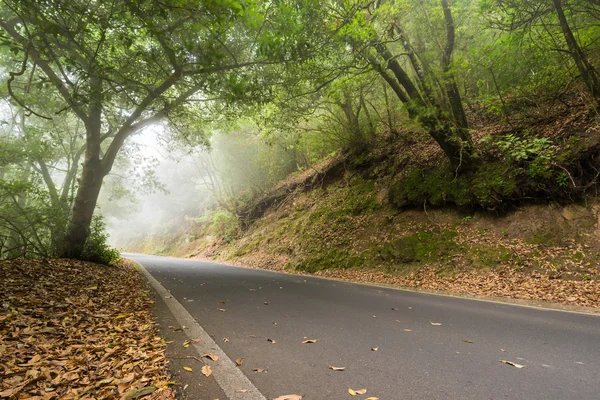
(229, 377)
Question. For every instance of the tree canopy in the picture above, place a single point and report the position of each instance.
(293, 80)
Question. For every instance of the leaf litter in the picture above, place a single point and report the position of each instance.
(72, 329)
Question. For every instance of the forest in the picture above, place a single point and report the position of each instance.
(299, 199)
(221, 109)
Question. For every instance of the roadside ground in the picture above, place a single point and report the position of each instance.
(76, 330)
(189, 385)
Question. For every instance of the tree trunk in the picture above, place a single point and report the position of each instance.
(92, 175)
(457, 147)
(84, 205)
(586, 70)
(450, 82)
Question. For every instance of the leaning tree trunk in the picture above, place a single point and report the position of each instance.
(92, 175)
(84, 204)
(586, 69)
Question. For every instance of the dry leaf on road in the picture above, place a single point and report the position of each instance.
(336, 368)
(290, 397)
(353, 392)
(206, 370)
(374, 348)
(188, 369)
(512, 364)
(239, 362)
(435, 323)
(310, 341)
(211, 356)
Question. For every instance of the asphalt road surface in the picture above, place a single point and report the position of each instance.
(427, 346)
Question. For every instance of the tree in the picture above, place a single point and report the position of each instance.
(376, 31)
(121, 66)
(522, 14)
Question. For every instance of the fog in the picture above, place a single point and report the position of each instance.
(163, 183)
(159, 188)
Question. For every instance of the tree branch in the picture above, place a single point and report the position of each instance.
(45, 66)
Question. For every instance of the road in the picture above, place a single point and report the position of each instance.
(427, 346)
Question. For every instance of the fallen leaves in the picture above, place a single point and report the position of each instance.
(140, 392)
(308, 341)
(239, 362)
(271, 340)
(290, 397)
(71, 329)
(188, 369)
(222, 309)
(206, 371)
(353, 392)
(211, 356)
(435, 323)
(331, 367)
(374, 348)
(513, 364)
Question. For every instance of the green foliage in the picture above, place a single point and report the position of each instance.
(219, 223)
(96, 248)
(526, 148)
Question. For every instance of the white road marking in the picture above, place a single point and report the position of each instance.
(228, 376)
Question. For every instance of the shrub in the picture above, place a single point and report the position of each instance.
(96, 248)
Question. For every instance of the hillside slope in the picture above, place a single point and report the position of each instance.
(523, 225)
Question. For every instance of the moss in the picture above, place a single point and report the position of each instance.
(548, 236)
(486, 257)
(420, 247)
(326, 259)
(487, 187)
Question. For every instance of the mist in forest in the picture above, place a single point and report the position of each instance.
(171, 186)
